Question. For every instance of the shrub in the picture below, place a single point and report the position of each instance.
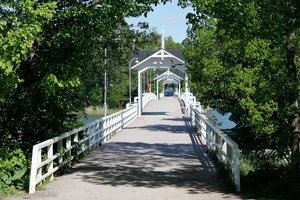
(246, 165)
(13, 171)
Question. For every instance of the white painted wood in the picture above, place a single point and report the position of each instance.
(140, 94)
(92, 133)
(49, 156)
(214, 138)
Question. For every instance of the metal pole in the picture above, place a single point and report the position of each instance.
(130, 83)
(105, 82)
(137, 61)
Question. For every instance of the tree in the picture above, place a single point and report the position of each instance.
(51, 68)
(52, 62)
(171, 44)
(244, 57)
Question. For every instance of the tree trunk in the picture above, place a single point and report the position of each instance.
(293, 98)
(296, 142)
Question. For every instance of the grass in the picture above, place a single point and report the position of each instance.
(93, 113)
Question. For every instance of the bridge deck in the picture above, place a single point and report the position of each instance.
(155, 157)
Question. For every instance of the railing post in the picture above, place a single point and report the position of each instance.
(105, 131)
(92, 136)
(34, 169)
(97, 129)
(59, 149)
(123, 116)
(50, 155)
(236, 168)
(224, 149)
(68, 147)
(75, 139)
(39, 161)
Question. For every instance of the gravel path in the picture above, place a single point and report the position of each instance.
(154, 158)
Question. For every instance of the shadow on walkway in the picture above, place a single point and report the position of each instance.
(149, 165)
(158, 128)
(157, 155)
(154, 113)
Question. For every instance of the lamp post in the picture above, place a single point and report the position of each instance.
(105, 82)
(136, 61)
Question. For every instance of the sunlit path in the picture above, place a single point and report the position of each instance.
(155, 157)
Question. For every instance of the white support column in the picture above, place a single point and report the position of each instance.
(158, 97)
(150, 81)
(186, 82)
(179, 90)
(140, 103)
(154, 89)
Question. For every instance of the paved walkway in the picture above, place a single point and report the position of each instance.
(154, 158)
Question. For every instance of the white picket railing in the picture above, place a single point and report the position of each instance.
(161, 95)
(190, 102)
(226, 149)
(52, 154)
(147, 97)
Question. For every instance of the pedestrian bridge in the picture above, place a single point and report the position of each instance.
(160, 155)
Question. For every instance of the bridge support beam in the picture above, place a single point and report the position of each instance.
(140, 103)
(157, 90)
(179, 89)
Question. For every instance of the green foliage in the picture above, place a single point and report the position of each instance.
(241, 62)
(13, 171)
(171, 44)
(266, 174)
(52, 63)
(20, 22)
(246, 166)
(244, 59)
(52, 66)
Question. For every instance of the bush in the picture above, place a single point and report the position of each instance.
(13, 171)
(246, 165)
(265, 175)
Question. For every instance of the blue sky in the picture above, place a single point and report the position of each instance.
(171, 16)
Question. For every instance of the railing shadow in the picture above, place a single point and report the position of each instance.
(149, 165)
(141, 164)
(179, 119)
(175, 129)
(154, 113)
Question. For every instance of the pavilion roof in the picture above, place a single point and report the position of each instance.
(161, 59)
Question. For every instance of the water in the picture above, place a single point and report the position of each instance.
(222, 121)
(90, 118)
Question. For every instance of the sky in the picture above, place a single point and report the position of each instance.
(171, 16)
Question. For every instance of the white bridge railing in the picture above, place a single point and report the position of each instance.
(226, 149)
(53, 154)
(147, 97)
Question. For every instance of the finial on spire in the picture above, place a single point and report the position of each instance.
(162, 37)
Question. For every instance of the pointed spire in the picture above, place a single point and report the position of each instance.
(162, 37)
